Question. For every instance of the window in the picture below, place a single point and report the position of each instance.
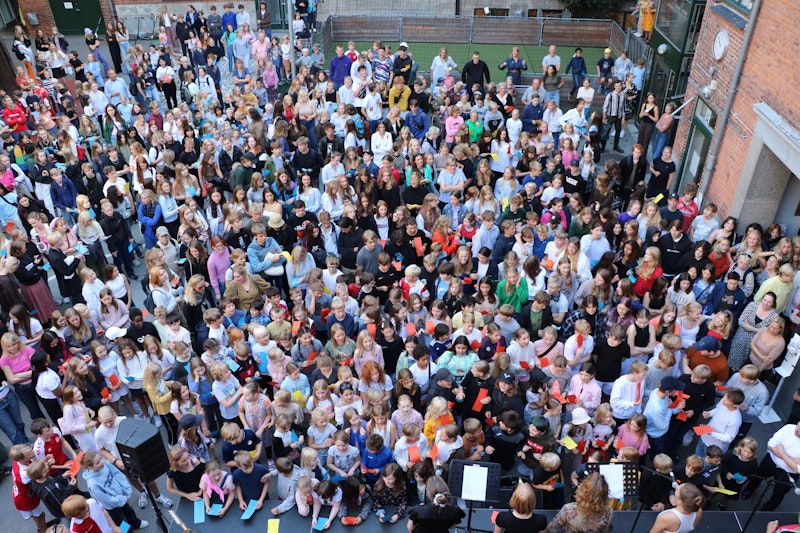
(741, 5)
(493, 12)
(672, 20)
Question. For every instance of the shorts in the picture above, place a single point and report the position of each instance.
(38, 511)
(137, 393)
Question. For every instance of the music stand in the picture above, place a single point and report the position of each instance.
(474, 481)
(630, 482)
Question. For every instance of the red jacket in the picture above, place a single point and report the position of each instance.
(16, 118)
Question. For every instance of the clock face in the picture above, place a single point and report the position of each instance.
(721, 42)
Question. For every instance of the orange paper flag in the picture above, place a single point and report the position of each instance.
(296, 327)
(104, 393)
(445, 419)
(324, 312)
(678, 399)
(413, 454)
(430, 327)
(580, 339)
(433, 453)
(682, 416)
(418, 246)
(397, 265)
(721, 388)
(544, 361)
(494, 517)
(372, 330)
(114, 380)
(74, 465)
(145, 313)
(478, 406)
(349, 520)
(703, 430)
(312, 356)
(411, 329)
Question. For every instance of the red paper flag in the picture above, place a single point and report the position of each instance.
(500, 349)
(544, 362)
(617, 444)
(349, 520)
(678, 399)
(494, 517)
(571, 398)
(430, 327)
(114, 380)
(721, 388)
(445, 419)
(312, 356)
(525, 365)
(104, 393)
(413, 454)
(418, 246)
(475, 344)
(296, 327)
(9, 227)
(581, 446)
(433, 453)
(74, 465)
(324, 312)
(383, 243)
(639, 392)
(489, 421)
(145, 312)
(682, 416)
(478, 406)
(347, 362)
(703, 430)
(411, 329)
(557, 396)
(600, 443)
(579, 338)
(372, 330)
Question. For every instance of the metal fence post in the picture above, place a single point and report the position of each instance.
(541, 30)
(400, 30)
(471, 29)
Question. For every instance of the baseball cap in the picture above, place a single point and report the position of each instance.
(162, 230)
(710, 344)
(114, 333)
(251, 157)
(190, 421)
(673, 196)
(672, 383)
(443, 374)
(506, 377)
(440, 80)
(403, 46)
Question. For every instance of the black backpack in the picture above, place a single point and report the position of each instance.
(17, 51)
(186, 93)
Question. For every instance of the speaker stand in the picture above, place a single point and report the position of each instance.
(154, 503)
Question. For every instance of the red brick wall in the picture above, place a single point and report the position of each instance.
(769, 76)
(42, 10)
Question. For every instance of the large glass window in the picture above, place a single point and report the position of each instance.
(672, 20)
(741, 5)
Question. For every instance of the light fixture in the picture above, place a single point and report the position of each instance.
(662, 49)
(707, 91)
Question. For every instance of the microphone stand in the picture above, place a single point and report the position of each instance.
(641, 504)
(771, 482)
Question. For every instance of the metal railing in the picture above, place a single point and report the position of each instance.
(535, 31)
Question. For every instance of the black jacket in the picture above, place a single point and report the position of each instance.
(525, 320)
(118, 230)
(475, 73)
(626, 168)
(491, 272)
(349, 243)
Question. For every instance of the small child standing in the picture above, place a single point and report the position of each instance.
(251, 480)
(218, 488)
(375, 458)
(49, 442)
(548, 478)
(88, 516)
(111, 489)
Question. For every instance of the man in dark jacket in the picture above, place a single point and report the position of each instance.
(307, 160)
(726, 295)
(350, 242)
(228, 155)
(475, 72)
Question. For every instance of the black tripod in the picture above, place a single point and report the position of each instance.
(771, 482)
(154, 503)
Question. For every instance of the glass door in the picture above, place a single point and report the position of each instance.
(697, 144)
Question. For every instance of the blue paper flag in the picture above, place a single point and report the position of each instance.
(81, 249)
(181, 261)
(295, 438)
(215, 509)
(321, 523)
(251, 508)
(125, 527)
(738, 477)
(46, 266)
(191, 192)
(199, 512)
(130, 247)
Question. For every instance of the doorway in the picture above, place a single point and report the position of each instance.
(697, 144)
(75, 15)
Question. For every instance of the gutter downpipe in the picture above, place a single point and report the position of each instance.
(711, 162)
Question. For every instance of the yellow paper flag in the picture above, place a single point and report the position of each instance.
(273, 524)
(504, 202)
(569, 443)
(658, 198)
(725, 491)
(495, 157)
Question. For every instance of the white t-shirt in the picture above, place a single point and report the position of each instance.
(95, 513)
(224, 390)
(48, 382)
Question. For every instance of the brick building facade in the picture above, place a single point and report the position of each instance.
(756, 173)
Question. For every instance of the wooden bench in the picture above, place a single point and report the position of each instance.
(562, 33)
(445, 30)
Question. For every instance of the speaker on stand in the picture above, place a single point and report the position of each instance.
(144, 455)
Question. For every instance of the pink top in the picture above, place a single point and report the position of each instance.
(218, 264)
(589, 393)
(626, 437)
(451, 125)
(18, 363)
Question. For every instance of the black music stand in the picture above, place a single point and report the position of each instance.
(630, 483)
(462, 472)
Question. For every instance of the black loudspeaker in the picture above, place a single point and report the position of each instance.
(142, 449)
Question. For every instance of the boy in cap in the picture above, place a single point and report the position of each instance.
(659, 413)
(707, 352)
(443, 384)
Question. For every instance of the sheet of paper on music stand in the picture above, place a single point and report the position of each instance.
(474, 482)
(615, 478)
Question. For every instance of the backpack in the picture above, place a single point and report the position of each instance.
(17, 51)
(149, 303)
(186, 94)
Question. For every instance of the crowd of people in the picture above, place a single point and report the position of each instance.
(360, 281)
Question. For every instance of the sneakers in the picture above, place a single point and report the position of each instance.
(157, 420)
(163, 500)
(57, 300)
(142, 500)
(144, 525)
(622, 134)
(687, 439)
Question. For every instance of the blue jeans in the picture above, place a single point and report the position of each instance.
(553, 95)
(312, 138)
(229, 53)
(659, 143)
(11, 419)
(151, 93)
(700, 449)
(576, 83)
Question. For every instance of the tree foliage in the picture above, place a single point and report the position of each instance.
(593, 9)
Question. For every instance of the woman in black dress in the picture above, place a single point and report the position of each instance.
(437, 516)
(521, 518)
(114, 48)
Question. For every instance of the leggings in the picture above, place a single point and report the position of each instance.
(170, 423)
(170, 94)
